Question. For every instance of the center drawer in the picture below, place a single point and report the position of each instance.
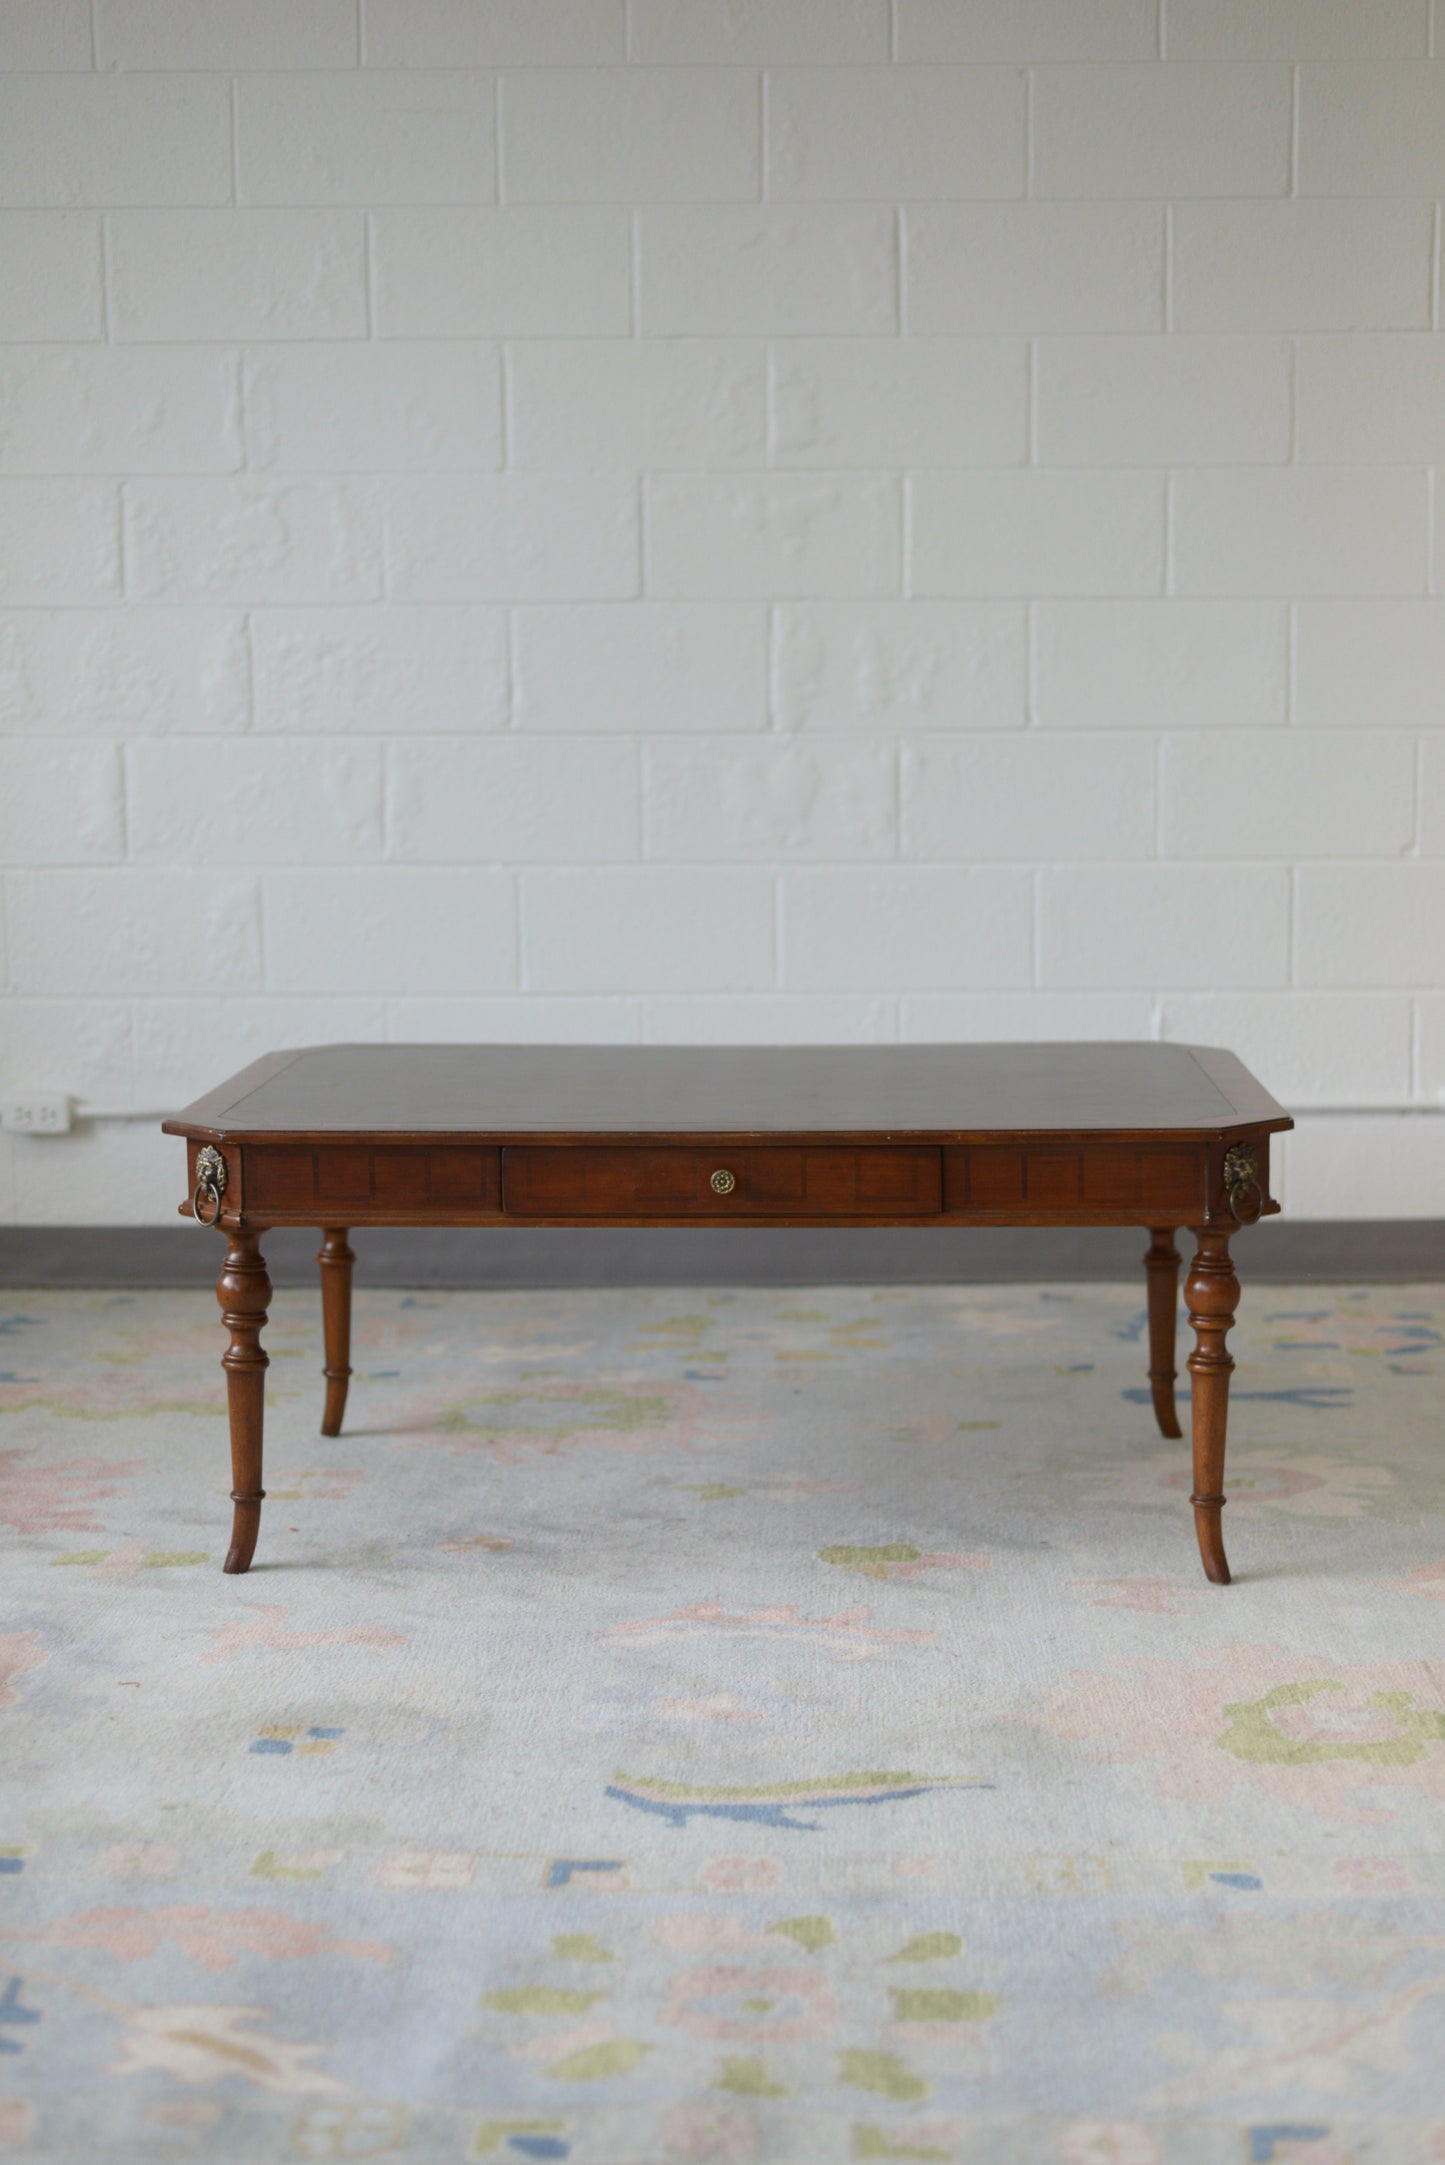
(721, 1181)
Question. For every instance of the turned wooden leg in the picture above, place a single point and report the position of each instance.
(1212, 1293)
(1161, 1262)
(336, 1260)
(244, 1292)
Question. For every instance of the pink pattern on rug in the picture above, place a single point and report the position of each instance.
(263, 1627)
(1151, 1597)
(846, 1634)
(57, 1498)
(1313, 1731)
(1427, 1580)
(20, 1652)
(209, 1936)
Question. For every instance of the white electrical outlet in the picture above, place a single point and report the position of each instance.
(39, 1112)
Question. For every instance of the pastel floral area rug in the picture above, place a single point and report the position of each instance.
(733, 1726)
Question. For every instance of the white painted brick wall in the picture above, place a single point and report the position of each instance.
(653, 519)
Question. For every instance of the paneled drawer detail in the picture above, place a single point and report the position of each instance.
(721, 1182)
(1103, 1176)
(338, 1176)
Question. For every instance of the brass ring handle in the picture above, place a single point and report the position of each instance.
(1236, 1193)
(723, 1182)
(210, 1182)
(1241, 1178)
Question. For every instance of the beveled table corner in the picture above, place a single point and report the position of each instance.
(341, 1136)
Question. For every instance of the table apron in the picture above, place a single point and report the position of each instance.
(1068, 1181)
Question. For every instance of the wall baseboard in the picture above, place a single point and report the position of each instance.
(1377, 1251)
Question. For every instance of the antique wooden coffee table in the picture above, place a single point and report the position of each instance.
(339, 1136)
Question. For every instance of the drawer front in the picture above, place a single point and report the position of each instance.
(370, 1177)
(721, 1182)
(1097, 1176)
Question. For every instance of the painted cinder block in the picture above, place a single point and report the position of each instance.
(119, 410)
(871, 134)
(1292, 793)
(1174, 663)
(121, 930)
(1162, 401)
(86, 1041)
(1366, 926)
(787, 270)
(527, 272)
(1149, 926)
(1028, 796)
(630, 135)
(61, 802)
(360, 670)
(313, 801)
(501, 34)
(514, 1018)
(1297, 30)
(767, 1018)
(753, 32)
(55, 35)
(885, 402)
(658, 928)
(900, 664)
(788, 535)
(1301, 266)
(1032, 268)
(764, 800)
(972, 30)
(134, 1171)
(73, 139)
(1307, 530)
(205, 274)
(641, 666)
(1373, 129)
(905, 928)
(224, 33)
(1378, 663)
(1437, 507)
(935, 1018)
(512, 537)
(512, 800)
(383, 929)
(59, 541)
(1375, 399)
(366, 137)
(1365, 1168)
(1430, 1047)
(112, 671)
(1432, 797)
(628, 402)
(252, 540)
(1130, 131)
(1037, 533)
(51, 275)
(368, 407)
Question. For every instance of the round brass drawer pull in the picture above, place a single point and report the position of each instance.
(723, 1182)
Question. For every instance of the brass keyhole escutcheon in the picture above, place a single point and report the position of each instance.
(723, 1182)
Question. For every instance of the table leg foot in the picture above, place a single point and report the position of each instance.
(336, 1260)
(1161, 1261)
(1212, 1293)
(244, 1292)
